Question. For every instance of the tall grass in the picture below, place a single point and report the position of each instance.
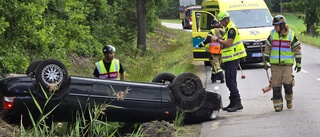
(90, 122)
(168, 50)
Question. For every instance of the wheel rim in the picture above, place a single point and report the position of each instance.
(187, 87)
(52, 74)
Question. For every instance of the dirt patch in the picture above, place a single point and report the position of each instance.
(6, 129)
(157, 129)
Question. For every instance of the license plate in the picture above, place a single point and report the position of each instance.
(256, 54)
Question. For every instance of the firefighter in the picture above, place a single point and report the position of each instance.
(282, 50)
(109, 68)
(232, 51)
(215, 51)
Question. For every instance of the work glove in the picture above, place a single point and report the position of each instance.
(201, 45)
(297, 68)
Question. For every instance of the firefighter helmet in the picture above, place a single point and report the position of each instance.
(279, 19)
(222, 14)
(108, 49)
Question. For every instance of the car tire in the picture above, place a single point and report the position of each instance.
(33, 66)
(52, 77)
(164, 78)
(183, 26)
(188, 91)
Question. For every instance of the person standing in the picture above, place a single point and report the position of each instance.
(232, 51)
(215, 50)
(108, 67)
(281, 50)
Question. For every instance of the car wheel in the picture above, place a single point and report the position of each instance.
(33, 66)
(188, 91)
(164, 78)
(183, 26)
(52, 76)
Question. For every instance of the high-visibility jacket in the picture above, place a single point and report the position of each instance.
(113, 71)
(237, 50)
(281, 51)
(214, 47)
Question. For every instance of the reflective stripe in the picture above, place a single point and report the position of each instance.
(290, 35)
(236, 50)
(236, 54)
(272, 32)
(268, 43)
(99, 67)
(285, 57)
(226, 57)
(283, 49)
(114, 70)
(116, 65)
(235, 44)
(298, 56)
(281, 53)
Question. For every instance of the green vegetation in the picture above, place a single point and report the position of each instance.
(169, 50)
(38, 30)
(171, 20)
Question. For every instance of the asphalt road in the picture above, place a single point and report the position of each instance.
(258, 117)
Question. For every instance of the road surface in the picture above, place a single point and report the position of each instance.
(258, 117)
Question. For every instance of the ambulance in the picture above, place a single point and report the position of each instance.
(252, 18)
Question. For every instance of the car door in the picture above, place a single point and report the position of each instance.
(200, 29)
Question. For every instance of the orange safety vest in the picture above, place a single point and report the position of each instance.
(214, 47)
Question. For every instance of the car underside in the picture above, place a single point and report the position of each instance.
(47, 85)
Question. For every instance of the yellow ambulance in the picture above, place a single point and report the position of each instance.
(252, 18)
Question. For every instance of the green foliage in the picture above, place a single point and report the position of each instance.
(170, 10)
(169, 52)
(179, 118)
(311, 10)
(38, 30)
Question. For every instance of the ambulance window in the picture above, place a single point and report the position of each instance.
(203, 22)
(257, 18)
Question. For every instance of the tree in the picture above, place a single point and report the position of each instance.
(311, 9)
(142, 24)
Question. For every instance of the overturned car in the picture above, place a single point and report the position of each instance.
(160, 99)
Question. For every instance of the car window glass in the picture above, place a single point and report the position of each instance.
(251, 18)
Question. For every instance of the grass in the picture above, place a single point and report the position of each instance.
(171, 20)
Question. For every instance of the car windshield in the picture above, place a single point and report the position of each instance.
(251, 18)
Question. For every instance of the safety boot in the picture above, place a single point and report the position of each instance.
(288, 94)
(237, 106)
(220, 76)
(213, 77)
(289, 100)
(278, 104)
(231, 104)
